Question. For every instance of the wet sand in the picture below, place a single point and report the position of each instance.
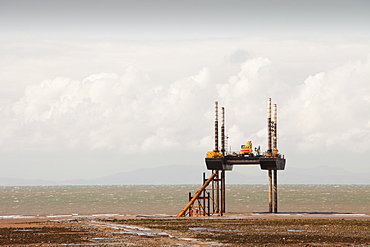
(299, 229)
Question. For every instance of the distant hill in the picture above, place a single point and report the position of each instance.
(25, 182)
(322, 175)
(159, 175)
(176, 174)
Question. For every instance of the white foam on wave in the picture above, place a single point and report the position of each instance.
(350, 214)
(59, 216)
(105, 215)
(18, 216)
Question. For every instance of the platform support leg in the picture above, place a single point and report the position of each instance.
(204, 195)
(270, 190)
(223, 190)
(217, 190)
(208, 204)
(275, 192)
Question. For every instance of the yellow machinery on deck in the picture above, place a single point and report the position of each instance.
(246, 149)
(214, 154)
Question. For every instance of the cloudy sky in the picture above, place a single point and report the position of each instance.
(90, 88)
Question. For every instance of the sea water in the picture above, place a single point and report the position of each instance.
(170, 199)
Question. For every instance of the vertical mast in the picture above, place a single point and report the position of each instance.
(223, 183)
(275, 151)
(216, 150)
(274, 133)
(269, 148)
(223, 130)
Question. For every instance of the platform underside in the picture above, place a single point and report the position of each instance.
(227, 162)
(217, 164)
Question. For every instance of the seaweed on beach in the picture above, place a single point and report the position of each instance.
(42, 235)
(183, 231)
(264, 231)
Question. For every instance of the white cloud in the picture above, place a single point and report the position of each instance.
(330, 109)
(129, 112)
(245, 96)
(134, 109)
(125, 112)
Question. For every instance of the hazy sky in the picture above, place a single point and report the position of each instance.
(92, 88)
(153, 20)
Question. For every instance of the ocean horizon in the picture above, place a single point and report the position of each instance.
(170, 199)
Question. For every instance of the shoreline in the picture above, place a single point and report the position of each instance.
(227, 215)
(233, 229)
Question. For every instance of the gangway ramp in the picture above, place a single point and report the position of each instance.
(196, 196)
